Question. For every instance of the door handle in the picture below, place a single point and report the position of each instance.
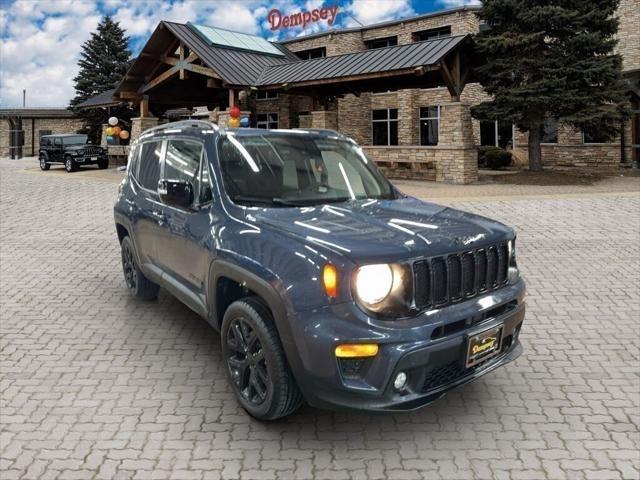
(160, 217)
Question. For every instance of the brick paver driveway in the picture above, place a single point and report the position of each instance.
(97, 385)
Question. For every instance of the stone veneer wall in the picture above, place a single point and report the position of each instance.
(56, 125)
(629, 34)
(571, 152)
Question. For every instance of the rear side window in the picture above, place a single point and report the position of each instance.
(148, 170)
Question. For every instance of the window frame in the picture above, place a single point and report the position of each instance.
(258, 122)
(203, 159)
(308, 51)
(416, 35)
(386, 39)
(388, 121)
(542, 142)
(163, 149)
(421, 118)
(584, 141)
(267, 97)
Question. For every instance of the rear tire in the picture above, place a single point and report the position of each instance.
(70, 164)
(256, 364)
(103, 164)
(138, 285)
(43, 162)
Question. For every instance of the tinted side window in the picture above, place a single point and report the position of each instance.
(149, 165)
(182, 163)
(133, 161)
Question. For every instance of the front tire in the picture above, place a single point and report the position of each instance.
(256, 363)
(103, 164)
(138, 285)
(70, 164)
(44, 166)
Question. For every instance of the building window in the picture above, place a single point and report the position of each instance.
(432, 34)
(550, 131)
(312, 53)
(593, 135)
(267, 120)
(429, 125)
(382, 42)
(384, 126)
(42, 133)
(266, 95)
(496, 134)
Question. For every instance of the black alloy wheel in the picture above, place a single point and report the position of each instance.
(256, 363)
(129, 268)
(137, 283)
(247, 362)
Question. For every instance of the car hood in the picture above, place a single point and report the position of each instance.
(384, 230)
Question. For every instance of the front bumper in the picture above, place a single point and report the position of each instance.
(429, 348)
(89, 159)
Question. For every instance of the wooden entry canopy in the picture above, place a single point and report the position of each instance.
(186, 65)
(179, 67)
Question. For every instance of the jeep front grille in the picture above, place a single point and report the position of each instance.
(443, 280)
(92, 150)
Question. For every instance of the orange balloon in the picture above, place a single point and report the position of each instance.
(116, 131)
(124, 134)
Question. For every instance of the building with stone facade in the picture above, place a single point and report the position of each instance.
(35, 122)
(402, 89)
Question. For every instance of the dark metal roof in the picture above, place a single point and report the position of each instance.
(401, 57)
(236, 67)
(36, 112)
(104, 99)
(389, 23)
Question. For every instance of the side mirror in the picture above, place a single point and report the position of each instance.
(176, 193)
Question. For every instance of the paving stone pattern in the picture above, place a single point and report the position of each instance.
(96, 385)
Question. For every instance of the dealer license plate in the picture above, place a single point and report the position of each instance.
(483, 345)
(94, 159)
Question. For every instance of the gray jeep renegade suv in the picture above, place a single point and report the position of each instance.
(325, 282)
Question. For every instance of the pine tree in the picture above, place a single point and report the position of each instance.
(551, 59)
(104, 60)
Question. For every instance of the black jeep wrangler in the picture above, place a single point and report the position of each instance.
(72, 150)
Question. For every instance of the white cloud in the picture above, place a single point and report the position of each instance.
(458, 3)
(374, 11)
(40, 48)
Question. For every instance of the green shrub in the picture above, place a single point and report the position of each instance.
(494, 158)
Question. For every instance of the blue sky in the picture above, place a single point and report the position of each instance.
(41, 40)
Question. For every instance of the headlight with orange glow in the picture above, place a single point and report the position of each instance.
(383, 288)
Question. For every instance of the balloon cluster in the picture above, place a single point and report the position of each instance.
(235, 121)
(114, 131)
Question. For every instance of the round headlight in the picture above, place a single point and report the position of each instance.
(373, 283)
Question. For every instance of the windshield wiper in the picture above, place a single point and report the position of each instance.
(265, 201)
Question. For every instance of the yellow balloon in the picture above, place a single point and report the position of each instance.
(124, 134)
(109, 131)
(234, 122)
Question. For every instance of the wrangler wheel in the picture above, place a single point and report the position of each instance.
(70, 164)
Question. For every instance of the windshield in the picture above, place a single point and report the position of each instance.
(294, 169)
(74, 140)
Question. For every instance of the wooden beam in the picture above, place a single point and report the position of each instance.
(233, 98)
(449, 81)
(163, 77)
(181, 56)
(130, 96)
(144, 106)
(206, 71)
(214, 83)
